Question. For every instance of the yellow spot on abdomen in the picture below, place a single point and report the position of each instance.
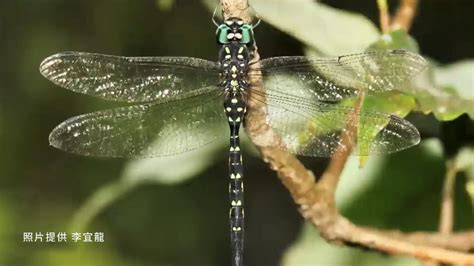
(236, 203)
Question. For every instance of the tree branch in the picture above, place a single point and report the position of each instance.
(316, 200)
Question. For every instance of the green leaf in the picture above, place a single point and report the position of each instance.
(459, 77)
(465, 163)
(398, 39)
(457, 83)
(391, 102)
(172, 170)
(165, 5)
(329, 30)
(446, 91)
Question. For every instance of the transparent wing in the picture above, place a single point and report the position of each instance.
(315, 128)
(130, 79)
(336, 78)
(145, 130)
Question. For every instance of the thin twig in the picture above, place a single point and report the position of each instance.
(316, 200)
(446, 216)
(403, 18)
(424, 252)
(384, 17)
(460, 241)
(447, 204)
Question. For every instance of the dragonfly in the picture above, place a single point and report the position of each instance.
(178, 104)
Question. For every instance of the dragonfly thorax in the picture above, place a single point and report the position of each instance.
(236, 40)
(234, 60)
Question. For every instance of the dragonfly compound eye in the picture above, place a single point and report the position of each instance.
(247, 35)
(222, 34)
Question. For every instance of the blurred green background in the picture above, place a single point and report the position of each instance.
(174, 211)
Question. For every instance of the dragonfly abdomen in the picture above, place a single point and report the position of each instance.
(235, 110)
(234, 58)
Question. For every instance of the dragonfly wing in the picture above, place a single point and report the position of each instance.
(130, 79)
(336, 78)
(145, 130)
(316, 128)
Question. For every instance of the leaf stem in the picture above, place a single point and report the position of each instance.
(405, 15)
(384, 18)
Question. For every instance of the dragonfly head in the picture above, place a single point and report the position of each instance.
(235, 30)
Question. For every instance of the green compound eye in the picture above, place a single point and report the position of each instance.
(247, 34)
(221, 34)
